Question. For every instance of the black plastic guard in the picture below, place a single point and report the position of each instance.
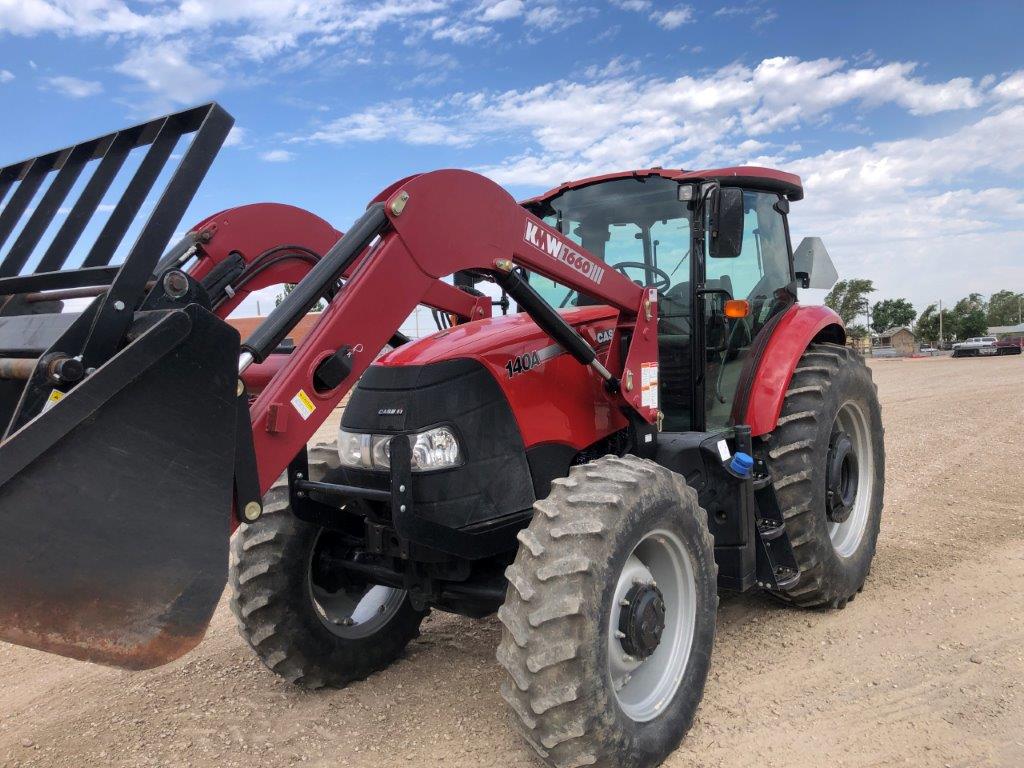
(115, 503)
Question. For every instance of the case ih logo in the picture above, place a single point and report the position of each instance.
(559, 251)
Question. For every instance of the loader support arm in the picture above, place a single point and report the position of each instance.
(428, 227)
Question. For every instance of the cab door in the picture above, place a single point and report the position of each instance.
(762, 275)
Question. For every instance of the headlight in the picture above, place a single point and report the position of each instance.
(437, 448)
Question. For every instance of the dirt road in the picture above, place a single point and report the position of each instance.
(926, 668)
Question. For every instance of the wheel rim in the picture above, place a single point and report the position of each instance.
(356, 610)
(644, 687)
(847, 535)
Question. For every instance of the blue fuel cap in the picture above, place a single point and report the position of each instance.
(741, 464)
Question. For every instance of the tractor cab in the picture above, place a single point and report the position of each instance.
(713, 303)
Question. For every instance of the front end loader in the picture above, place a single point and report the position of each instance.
(658, 421)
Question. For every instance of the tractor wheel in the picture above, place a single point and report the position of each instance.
(609, 618)
(827, 459)
(308, 633)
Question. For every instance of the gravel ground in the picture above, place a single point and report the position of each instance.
(926, 668)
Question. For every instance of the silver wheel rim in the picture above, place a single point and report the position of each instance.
(353, 614)
(643, 688)
(847, 535)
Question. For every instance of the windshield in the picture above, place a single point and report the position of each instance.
(635, 224)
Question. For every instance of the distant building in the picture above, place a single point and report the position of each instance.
(246, 325)
(1007, 332)
(898, 341)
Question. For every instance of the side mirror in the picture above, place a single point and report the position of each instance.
(813, 266)
(726, 223)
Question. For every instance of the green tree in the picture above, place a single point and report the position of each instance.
(971, 323)
(849, 297)
(856, 331)
(1004, 308)
(927, 327)
(890, 313)
(288, 288)
(968, 317)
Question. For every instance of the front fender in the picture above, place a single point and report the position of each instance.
(798, 328)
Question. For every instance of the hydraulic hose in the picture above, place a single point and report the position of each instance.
(272, 331)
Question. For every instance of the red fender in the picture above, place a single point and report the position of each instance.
(796, 330)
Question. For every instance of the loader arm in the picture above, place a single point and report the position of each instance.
(416, 232)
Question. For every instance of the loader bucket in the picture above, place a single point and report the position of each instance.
(115, 503)
(118, 423)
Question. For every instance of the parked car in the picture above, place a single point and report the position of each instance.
(979, 345)
(1009, 346)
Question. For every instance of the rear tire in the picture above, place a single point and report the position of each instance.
(277, 604)
(582, 694)
(831, 394)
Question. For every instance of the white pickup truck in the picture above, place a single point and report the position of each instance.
(979, 345)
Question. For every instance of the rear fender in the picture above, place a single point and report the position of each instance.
(798, 329)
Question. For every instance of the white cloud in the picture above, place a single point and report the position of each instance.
(236, 137)
(632, 5)
(915, 214)
(1012, 88)
(616, 118)
(277, 156)
(6, 76)
(501, 10)
(30, 17)
(617, 67)
(167, 70)
(397, 120)
(666, 18)
(73, 86)
(106, 17)
(674, 17)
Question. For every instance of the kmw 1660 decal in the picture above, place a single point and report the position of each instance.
(559, 251)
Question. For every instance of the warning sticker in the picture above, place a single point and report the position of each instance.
(55, 397)
(303, 405)
(649, 385)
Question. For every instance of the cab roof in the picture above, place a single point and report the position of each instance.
(769, 179)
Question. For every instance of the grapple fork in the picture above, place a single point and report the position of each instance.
(117, 423)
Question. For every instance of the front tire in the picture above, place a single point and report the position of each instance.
(827, 461)
(308, 631)
(609, 619)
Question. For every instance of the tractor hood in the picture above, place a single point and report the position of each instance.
(554, 399)
(497, 335)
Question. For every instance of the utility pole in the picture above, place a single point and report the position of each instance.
(940, 323)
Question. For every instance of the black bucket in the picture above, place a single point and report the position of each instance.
(115, 503)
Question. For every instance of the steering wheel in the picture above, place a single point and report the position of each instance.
(662, 282)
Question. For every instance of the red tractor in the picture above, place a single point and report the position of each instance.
(660, 420)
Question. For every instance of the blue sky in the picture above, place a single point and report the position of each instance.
(906, 120)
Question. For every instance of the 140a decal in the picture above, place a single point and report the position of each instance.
(522, 363)
(530, 360)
